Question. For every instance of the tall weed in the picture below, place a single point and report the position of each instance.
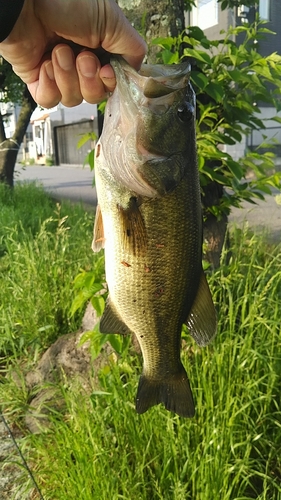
(100, 448)
(42, 248)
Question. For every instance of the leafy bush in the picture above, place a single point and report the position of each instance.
(231, 81)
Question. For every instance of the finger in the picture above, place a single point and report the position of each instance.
(66, 76)
(45, 91)
(91, 86)
(121, 38)
(108, 77)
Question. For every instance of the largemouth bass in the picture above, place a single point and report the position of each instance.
(149, 222)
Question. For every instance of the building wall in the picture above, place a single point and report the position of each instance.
(46, 121)
(224, 19)
(272, 43)
(223, 24)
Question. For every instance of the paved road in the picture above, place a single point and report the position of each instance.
(75, 183)
(265, 216)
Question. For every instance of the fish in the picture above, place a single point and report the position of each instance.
(149, 222)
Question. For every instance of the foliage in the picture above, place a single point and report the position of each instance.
(89, 286)
(231, 82)
(11, 87)
(42, 248)
(230, 4)
(89, 136)
(100, 448)
(13, 90)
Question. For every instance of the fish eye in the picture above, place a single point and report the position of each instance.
(185, 112)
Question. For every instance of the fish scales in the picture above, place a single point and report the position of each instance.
(153, 249)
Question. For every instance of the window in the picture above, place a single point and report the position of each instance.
(205, 15)
(264, 9)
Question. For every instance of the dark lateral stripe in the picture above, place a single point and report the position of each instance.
(9, 12)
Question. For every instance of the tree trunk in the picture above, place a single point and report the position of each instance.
(9, 148)
(214, 229)
(155, 19)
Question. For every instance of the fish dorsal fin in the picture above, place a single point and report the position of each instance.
(202, 319)
(98, 237)
(110, 321)
(134, 237)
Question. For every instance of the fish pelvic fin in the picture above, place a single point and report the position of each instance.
(134, 236)
(111, 322)
(98, 237)
(202, 319)
(174, 392)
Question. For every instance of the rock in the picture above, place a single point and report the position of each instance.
(66, 356)
(47, 400)
(90, 318)
(68, 361)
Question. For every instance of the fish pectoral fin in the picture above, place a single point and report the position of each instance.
(134, 237)
(111, 322)
(174, 392)
(163, 174)
(202, 319)
(98, 237)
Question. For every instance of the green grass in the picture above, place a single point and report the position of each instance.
(43, 245)
(100, 449)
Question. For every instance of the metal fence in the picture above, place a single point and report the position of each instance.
(66, 138)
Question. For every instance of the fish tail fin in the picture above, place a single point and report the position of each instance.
(174, 392)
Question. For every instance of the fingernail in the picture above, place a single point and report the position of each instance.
(65, 58)
(87, 66)
(49, 70)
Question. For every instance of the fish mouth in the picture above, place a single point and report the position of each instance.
(150, 92)
(152, 81)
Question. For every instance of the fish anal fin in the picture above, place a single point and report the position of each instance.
(111, 322)
(134, 235)
(98, 237)
(202, 319)
(174, 392)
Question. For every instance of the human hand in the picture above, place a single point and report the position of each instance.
(56, 70)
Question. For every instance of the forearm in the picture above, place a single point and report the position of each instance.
(9, 12)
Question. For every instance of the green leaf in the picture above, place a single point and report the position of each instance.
(164, 42)
(276, 119)
(102, 105)
(215, 90)
(198, 54)
(235, 169)
(98, 304)
(235, 75)
(196, 33)
(90, 159)
(199, 79)
(278, 199)
(235, 134)
(169, 57)
(116, 342)
(213, 175)
(201, 162)
(89, 136)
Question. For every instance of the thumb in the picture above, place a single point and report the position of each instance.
(121, 38)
